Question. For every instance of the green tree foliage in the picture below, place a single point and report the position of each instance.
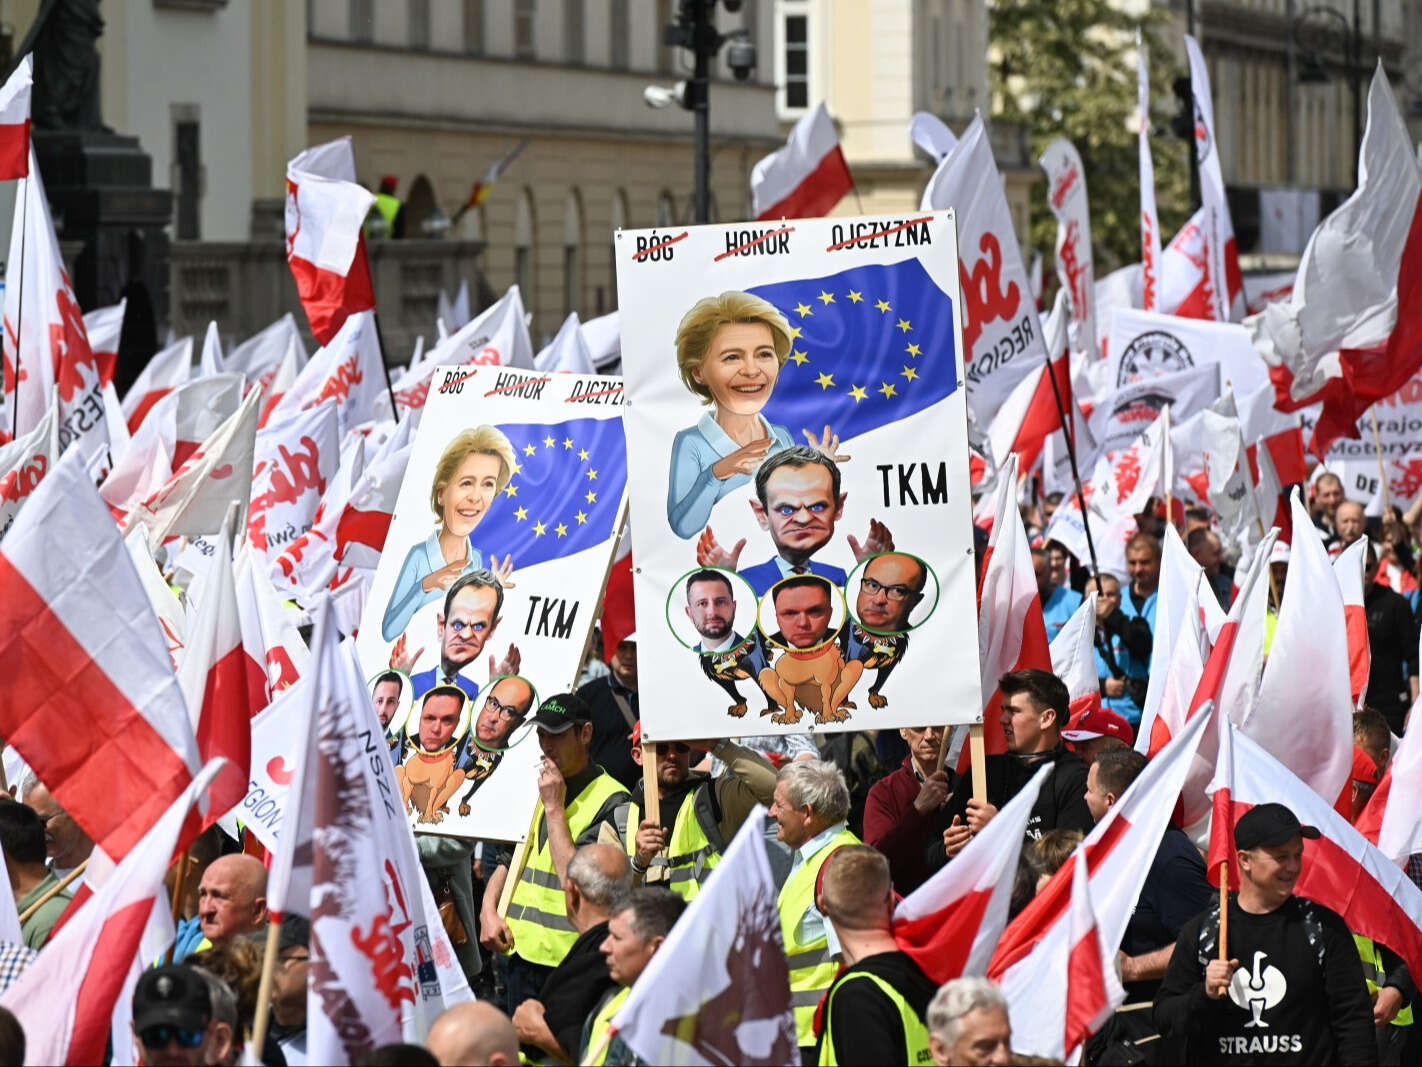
(1065, 68)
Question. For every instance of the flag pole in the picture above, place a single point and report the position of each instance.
(516, 863)
(55, 890)
(384, 366)
(20, 307)
(977, 754)
(1075, 473)
(1224, 910)
(264, 987)
(652, 808)
(1377, 447)
(179, 885)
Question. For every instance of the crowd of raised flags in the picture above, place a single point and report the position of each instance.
(264, 480)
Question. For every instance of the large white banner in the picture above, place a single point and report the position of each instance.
(798, 462)
(489, 584)
(1132, 408)
(1146, 344)
(1355, 460)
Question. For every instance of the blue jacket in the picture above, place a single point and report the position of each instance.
(423, 682)
(764, 575)
(1059, 607)
(1147, 612)
(1122, 705)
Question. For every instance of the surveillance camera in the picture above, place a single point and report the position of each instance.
(740, 57)
(658, 96)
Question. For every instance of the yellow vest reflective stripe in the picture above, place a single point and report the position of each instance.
(537, 915)
(811, 968)
(915, 1032)
(1375, 975)
(690, 855)
(601, 1023)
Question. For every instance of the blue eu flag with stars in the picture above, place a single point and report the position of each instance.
(564, 493)
(871, 346)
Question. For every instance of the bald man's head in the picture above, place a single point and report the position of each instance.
(1348, 521)
(475, 1032)
(232, 897)
(597, 875)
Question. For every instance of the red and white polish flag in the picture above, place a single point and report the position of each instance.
(164, 372)
(1011, 632)
(349, 369)
(279, 380)
(65, 999)
(90, 700)
(1392, 819)
(15, 120)
(104, 327)
(1093, 987)
(1066, 196)
(1348, 568)
(214, 676)
(365, 522)
(1074, 659)
(1030, 413)
(1177, 619)
(325, 210)
(951, 924)
(23, 464)
(274, 654)
(1218, 227)
(1303, 713)
(1031, 961)
(807, 177)
(1342, 870)
(172, 619)
(1150, 218)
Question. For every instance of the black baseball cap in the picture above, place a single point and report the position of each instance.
(1268, 826)
(174, 996)
(562, 712)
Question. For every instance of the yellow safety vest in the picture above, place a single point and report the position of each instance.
(811, 968)
(1375, 975)
(537, 916)
(690, 856)
(915, 1032)
(388, 207)
(602, 1022)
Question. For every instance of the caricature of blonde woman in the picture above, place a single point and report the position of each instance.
(471, 473)
(729, 351)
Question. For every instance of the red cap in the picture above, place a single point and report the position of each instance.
(1098, 722)
(1364, 769)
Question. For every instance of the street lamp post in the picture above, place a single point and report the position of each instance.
(1312, 70)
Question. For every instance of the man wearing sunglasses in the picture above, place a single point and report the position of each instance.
(470, 617)
(699, 814)
(173, 1021)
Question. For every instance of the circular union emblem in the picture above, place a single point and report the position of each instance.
(1150, 355)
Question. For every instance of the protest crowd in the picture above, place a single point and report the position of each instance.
(1181, 821)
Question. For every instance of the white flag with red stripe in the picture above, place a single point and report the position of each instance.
(104, 328)
(1392, 819)
(1303, 713)
(1073, 653)
(1030, 962)
(172, 619)
(15, 120)
(807, 177)
(1180, 645)
(277, 381)
(951, 924)
(349, 370)
(1150, 219)
(1011, 632)
(1341, 870)
(214, 675)
(195, 498)
(1184, 284)
(23, 464)
(308, 564)
(1348, 569)
(274, 654)
(65, 999)
(382, 966)
(1219, 229)
(1031, 413)
(1066, 196)
(325, 210)
(1093, 986)
(999, 313)
(1280, 432)
(164, 372)
(258, 356)
(90, 699)
(365, 521)
(45, 344)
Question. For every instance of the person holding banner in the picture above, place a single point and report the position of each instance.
(874, 1012)
(700, 815)
(1299, 996)
(469, 477)
(575, 796)
(729, 351)
(811, 809)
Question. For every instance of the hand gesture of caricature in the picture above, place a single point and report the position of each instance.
(510, 664)
(879, 540)
(444, 577)
(828, 443)
(399, 660)
(503, 570)
(709, 552)
(743, 460)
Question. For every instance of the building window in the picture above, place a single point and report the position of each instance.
(523, 249)
(419, 12)
(572, 253)
(523, 15)
(666, 209)
(362, 18)
(666, 54)
(474, 27)
(618, 25)
(792, 58)
(187, 177)
(573, 31)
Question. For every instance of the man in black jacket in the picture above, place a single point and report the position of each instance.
(1392, 639)
(1292, 990)
(1035, 707)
